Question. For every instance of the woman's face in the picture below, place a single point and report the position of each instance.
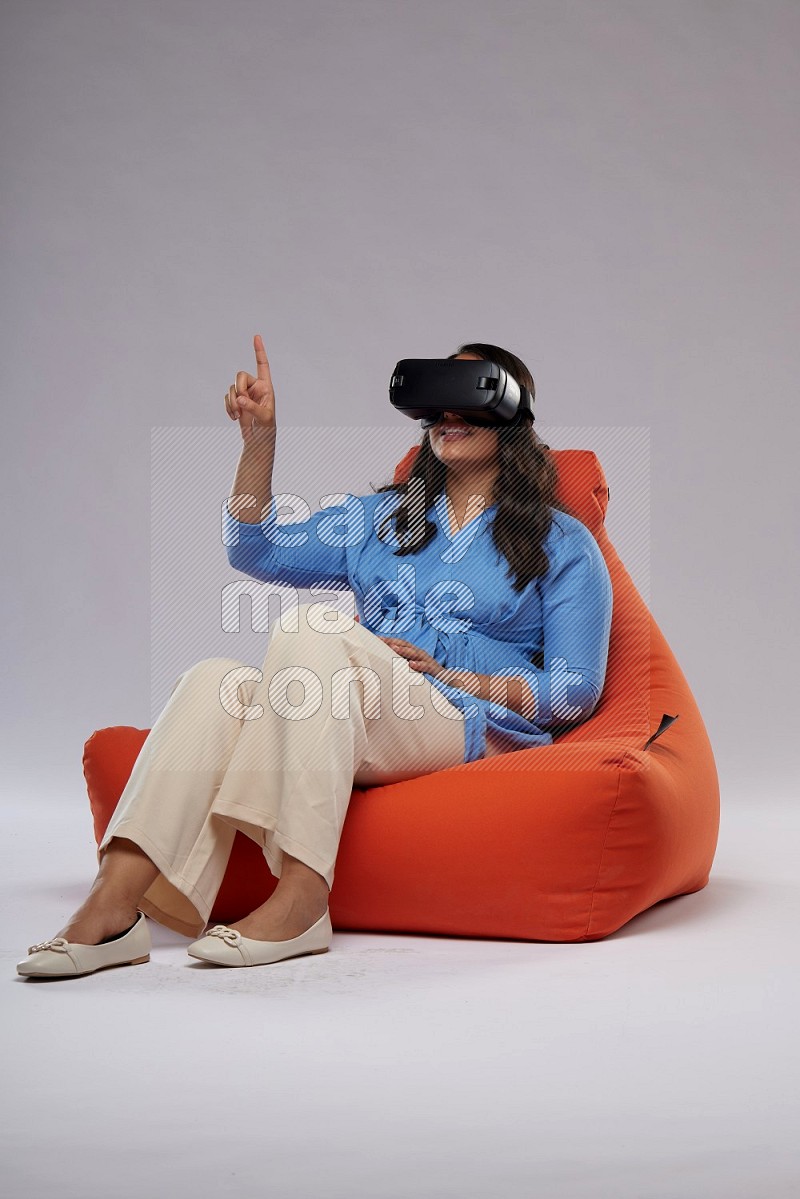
(457, 443)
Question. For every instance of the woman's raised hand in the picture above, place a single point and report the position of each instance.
(251, 398)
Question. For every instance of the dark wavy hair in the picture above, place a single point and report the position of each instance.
(524, 491)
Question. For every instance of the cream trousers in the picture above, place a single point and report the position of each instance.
(276, 753)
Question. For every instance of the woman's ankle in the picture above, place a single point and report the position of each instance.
(105, 896)
(293, 898)
(125, 874)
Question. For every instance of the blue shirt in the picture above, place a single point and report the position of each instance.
(453, 599)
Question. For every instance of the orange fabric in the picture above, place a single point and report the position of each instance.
(565, 842)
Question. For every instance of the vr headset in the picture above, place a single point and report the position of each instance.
(481, 392)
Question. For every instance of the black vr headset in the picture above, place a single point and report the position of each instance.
(481, 392)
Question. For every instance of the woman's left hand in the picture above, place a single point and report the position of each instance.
(417, 658)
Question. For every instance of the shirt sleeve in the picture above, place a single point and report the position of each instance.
(305, 553)
(577, 602)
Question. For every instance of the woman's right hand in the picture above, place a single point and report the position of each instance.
(251, 399)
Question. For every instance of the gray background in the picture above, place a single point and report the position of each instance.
(609, 189)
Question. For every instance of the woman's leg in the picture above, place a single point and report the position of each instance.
(160, 851)
(284, 778)
(313, 736)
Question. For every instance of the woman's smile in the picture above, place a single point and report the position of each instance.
(452, 428)
(453, 432)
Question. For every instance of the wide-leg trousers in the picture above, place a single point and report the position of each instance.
(276, 753)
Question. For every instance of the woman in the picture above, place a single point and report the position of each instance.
(504, 602)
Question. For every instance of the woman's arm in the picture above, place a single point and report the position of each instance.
(252, 485)
(482, 686)
(305, 553)
(487, 686)
(313, 551)
(577, 602)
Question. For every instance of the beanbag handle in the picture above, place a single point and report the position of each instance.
(666, 721)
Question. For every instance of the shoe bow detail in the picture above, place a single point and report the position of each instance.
(59, 944)
(229, 935)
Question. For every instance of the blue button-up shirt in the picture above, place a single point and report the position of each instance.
(454, 599)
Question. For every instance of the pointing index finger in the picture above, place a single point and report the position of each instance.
(262, 363)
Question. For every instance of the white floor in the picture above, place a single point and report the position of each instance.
(659, 1063)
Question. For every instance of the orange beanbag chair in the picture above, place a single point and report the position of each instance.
(561, 842)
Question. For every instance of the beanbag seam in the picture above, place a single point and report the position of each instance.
(625, 756)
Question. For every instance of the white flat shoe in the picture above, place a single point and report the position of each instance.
(227, 947)
(59, 958)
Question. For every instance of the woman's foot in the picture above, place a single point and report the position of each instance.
(280, 919)
(299, 901)
(96, 919)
